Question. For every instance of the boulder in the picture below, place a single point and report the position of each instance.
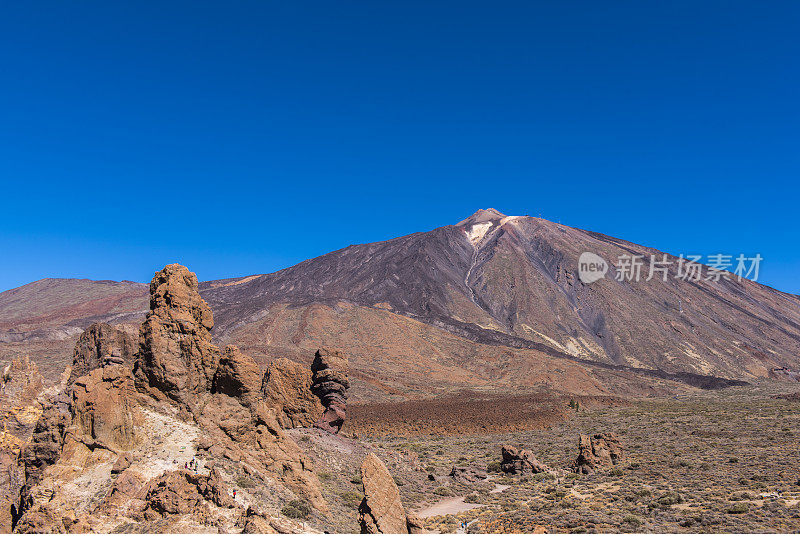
(520, 462)
(330, 384)
(597, 451)
(468, 475)
(184, 492)
(287, 387)
(101, 344)
(381, 511)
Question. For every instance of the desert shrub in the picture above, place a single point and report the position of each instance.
(399, 481)
(493, 467)
(355, 479)
(443, 491)
(738, 508)
(351, 498)
(324, 476)
(670, 498)
(296, 509)
(632, 520)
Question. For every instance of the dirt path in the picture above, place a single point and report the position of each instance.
(447, 507)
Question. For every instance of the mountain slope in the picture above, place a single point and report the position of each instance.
(514, 281)
(474, 304)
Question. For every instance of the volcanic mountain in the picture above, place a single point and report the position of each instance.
(493, 301)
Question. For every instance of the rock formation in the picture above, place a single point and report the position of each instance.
(520, 462)
(287, 386)
(381, 511)
(597, 451)
(184, 492)
(223, 392)
(20, 386)
(104, 408)
(330, 384)
(104, 435)
(101, 343)
(176, 355)
(468, 475)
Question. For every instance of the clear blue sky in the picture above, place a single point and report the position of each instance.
(243, 137)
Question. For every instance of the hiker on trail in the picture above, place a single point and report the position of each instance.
(234, 494)
(185, 465)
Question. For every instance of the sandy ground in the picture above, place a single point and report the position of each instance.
(170, 444)
(448, 506)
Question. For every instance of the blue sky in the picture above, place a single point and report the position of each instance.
(243, 137)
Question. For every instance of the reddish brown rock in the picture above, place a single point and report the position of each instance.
(124, 461)
(47, 440)
(184, 492)
(237, 376)
(381, 511)
(101, 343)
(176, 355)
(222, 392)
(104, 409)
(468, 475)
(520, 462)
(597, 451)
(330, 384)
(287, 387)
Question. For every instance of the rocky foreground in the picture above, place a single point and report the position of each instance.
(159, 434)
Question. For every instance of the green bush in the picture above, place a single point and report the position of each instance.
(296, 509)
(443, 491)
(632, 520)
(738, 508)
(351, 498)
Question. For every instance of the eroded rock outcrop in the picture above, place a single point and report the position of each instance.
(47, 440)
(468, 475)
(101, 344)
(20, 386)
(223, 392)
(520, 462)
(120, 433)
(330, 384)
(176, 355)
(104, 409)
(287, 386)
(597, 451)
(184, 492)
(381, 511)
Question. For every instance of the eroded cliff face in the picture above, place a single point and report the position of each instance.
(20, 387)
(118, 446)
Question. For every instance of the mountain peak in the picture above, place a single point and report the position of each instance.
(482, 216)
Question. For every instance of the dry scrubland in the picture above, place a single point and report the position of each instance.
(722, 461)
